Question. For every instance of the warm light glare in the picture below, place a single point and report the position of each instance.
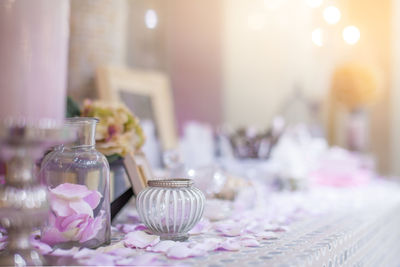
(273, 4)
(332, 14)
(256, 21)
(351, 34)
(317, 37)
(151, 19)
(314, 3)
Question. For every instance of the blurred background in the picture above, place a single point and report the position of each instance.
(237, 63)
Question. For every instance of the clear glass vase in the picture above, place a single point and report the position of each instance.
(77, 176)
(170, 208)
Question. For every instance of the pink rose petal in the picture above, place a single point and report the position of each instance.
(139, 239)
(65, 252)
(229, 245)
(93, 199)
(92, 228)
(99, 260)
(201, 227)
(249, 242)
(267, 235)
(60, 206)
(182, 251)
(162, 246)
(43, 248)
(208, 244)
(141, 260)
(84, 253)
(229, 228)
(81, 207)
(121, 252)
(70, 191)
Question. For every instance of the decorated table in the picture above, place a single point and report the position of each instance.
(322, 226)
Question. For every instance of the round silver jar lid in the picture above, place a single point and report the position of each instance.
(171, 183)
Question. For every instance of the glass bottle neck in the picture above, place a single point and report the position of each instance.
(85, 132)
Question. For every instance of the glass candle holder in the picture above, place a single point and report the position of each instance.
(77, 176)
(170, 208)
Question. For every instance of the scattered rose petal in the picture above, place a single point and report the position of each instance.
(182, 251)
(201, 227)
(229, 245)
(208, 244)
(99, 260)
(229, 228)
(65, 252)
(140, 239)
(121, 252)
(141, 260)
(84, 253)
(267, 235)
(249, 243)
(162, 246)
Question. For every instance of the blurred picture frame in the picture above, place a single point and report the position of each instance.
(147, 93)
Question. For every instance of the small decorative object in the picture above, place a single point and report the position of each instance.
(78, 179)
(247, 143)
(355, 87)
(170, 208)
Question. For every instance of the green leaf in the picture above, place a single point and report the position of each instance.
(73, 109)
(113, 157)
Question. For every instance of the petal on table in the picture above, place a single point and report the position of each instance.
(229, 228)
(84, 253)
(266, 235)
(208, 244)
(229, 245)
(140, 239)
(99, 260)
(163, 246)
(65, 252)
(70, 191)
(182, 251)
(201, 227)
(147, 259)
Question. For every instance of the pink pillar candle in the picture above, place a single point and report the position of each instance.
(33, 61)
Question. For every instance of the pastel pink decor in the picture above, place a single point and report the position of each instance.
(33, 53)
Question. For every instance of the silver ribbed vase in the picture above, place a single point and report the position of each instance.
(170, 208)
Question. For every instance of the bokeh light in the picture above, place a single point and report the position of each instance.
(314, 3)
(351, 34)
(332, 14)
(151, 19)
(317, 36)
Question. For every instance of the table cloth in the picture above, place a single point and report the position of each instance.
(321, 226)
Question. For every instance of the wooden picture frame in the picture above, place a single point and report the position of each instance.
(112, 81)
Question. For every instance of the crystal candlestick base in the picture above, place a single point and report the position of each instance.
(23, 200)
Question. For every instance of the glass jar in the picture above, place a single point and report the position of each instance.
(77, 176)
(170, 208)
